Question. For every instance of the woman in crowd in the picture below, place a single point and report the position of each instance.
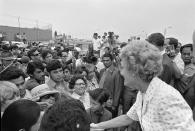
(79, 85)
(158, 106)
(21, 115)
(92, 81)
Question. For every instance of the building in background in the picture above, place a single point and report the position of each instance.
(25, 34)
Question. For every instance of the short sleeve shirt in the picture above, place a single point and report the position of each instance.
(162, 108)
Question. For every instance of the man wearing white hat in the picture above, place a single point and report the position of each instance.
(44, 95)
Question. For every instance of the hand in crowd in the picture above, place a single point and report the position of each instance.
(94, 127)
(73, 60)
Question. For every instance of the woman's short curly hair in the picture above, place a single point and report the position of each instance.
(74, 79)
(8, 91)
(142, 58)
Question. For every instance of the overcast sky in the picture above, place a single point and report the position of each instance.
(80, 18)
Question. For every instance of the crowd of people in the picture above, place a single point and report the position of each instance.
(142, 85)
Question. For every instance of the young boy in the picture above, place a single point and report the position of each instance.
(97, 113)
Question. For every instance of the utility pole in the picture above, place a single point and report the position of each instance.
(145, 34)
(19, 24)
(37, 31)
(165, 30)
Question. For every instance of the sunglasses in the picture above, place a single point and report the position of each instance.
(36, 54)
(47, 96)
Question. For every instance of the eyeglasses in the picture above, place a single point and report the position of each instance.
(36, 54)
(80, 84)
(66, 71)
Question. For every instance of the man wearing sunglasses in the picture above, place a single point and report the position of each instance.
(34, 54)
(44, 96)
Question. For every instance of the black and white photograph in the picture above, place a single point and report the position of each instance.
(97, 65)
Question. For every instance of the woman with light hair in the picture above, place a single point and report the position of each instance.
(158, 106)
(8, 93)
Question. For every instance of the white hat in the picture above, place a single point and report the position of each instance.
(77, 48)
(42, 90)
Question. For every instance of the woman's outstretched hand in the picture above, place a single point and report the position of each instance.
(94, 127)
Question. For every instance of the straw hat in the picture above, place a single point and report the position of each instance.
(42, 90)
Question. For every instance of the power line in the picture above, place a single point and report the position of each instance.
(25, 19)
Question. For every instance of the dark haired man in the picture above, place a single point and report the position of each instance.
(111, 80)
(96, 43)
(97, 112)
(174, 54)
(186, 55)
(56, 77)
(15, 50)
(35, 70)
(170, 70)
(189, 72)
(46, 56)
(34, 54)
(16, 76)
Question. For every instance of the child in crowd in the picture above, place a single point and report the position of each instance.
(97, 113)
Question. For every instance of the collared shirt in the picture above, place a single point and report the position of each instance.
(31, 83)
(162, 108)
(85, 99)
(96, 44)
(28, 95)
(62, 87)
(105, 73)
(100, 66)
(103, 78)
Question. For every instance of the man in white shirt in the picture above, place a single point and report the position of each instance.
(96, 43)
(174, 55)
